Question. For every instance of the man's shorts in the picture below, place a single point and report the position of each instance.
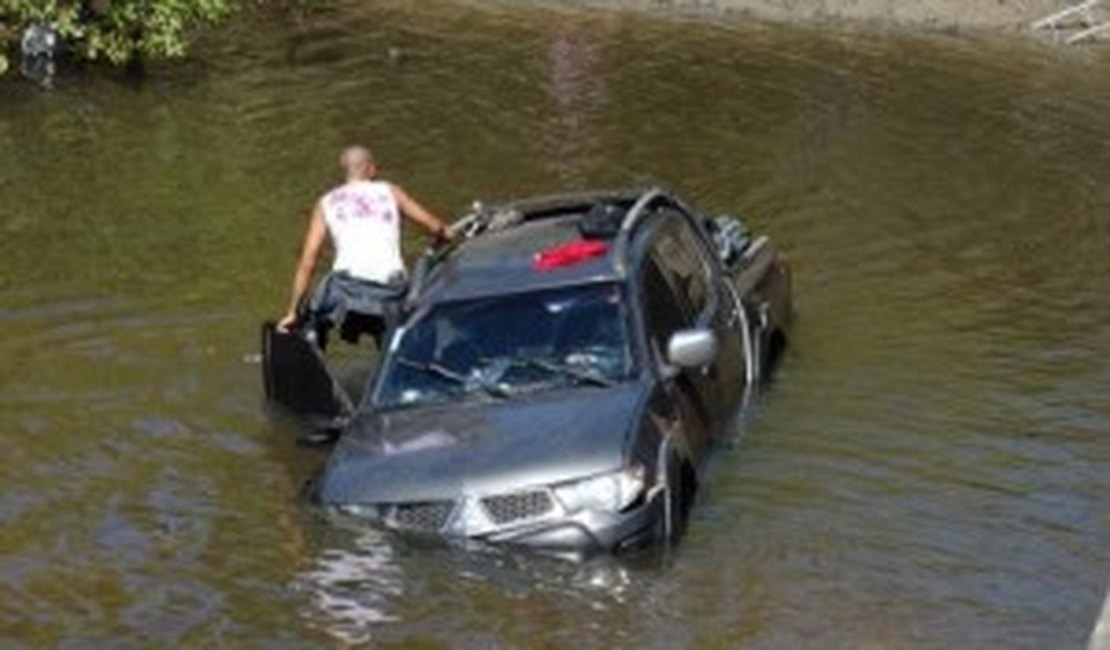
(355, 306)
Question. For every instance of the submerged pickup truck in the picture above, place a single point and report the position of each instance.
(560, 374)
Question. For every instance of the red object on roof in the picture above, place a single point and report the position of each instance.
(570, 254)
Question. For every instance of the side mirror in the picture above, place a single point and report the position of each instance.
(693, 348)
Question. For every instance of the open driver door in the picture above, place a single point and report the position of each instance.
(296, 377)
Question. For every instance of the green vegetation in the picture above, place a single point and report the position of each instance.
(119, 31)
(5, 38)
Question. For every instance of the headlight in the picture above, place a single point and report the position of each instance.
(611, 492)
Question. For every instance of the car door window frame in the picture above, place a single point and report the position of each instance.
(641, 238)
(658, 342)
(677, 223)
(668, 218)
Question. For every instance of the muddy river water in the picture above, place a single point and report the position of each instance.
(930, 469)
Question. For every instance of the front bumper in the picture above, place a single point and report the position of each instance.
(574, 535)
(587, 533)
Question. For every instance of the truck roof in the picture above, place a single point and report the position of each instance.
(502, 259)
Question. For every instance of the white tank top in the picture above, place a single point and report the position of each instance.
(365, 227)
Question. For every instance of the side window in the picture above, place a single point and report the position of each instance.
(680, 253)
(664, 315)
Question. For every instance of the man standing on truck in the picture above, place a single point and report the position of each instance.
(362, 218)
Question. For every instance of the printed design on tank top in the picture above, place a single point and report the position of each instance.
(351, 204)
(364, 222)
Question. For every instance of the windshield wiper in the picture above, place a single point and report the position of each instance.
(437, 370)
(568, 371)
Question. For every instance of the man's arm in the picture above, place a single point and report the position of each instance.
(418, 213)
(310, 253)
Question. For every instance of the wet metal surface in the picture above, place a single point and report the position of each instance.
(930, 470)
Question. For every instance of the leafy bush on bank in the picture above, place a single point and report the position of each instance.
(118, 31)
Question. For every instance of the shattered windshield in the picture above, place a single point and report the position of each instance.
(501, 347)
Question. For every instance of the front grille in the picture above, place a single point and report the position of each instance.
(428, 516)
(507, 508)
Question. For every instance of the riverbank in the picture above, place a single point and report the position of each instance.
(994, 15)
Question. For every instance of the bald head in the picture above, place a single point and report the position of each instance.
(357, 163)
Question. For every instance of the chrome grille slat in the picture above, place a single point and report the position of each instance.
(426, 516)
(518, 506)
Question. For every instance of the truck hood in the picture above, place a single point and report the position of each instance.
(442, 452)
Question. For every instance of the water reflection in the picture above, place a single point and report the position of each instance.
(359, 582)
(350, 589)
(576, 83)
